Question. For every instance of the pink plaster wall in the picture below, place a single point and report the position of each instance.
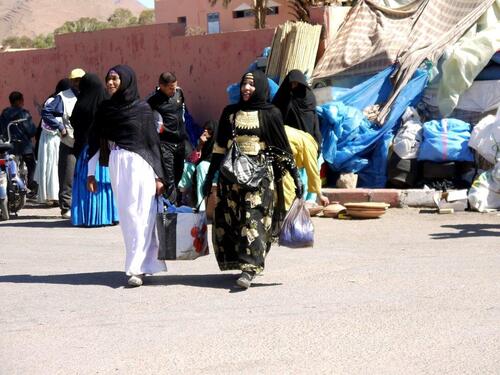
(204, 65)
(196, 13)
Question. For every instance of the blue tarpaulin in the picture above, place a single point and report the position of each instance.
(446, 140)
(351, 143)
(193, 129)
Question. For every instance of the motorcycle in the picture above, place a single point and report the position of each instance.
(13, 188)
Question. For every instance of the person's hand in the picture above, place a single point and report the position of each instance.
(91, 184)
(64, 132)
(299, 191)
(324, 201)
(299, 188)
(160, 187)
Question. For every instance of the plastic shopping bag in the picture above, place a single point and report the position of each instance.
(484, 194)
(182, 233)
(297, 229)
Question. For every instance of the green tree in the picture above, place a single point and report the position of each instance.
(300, 10)
(18, 42)
(44, 41)
(83, 24)
(122, 17)
(147, 17)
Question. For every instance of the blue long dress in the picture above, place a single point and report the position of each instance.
(92, 209)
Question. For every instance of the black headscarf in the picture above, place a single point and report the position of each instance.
(92, 93)
(208, 146)
(298, 106)
(128, 121)
(273, 131)
(62, 85)
(259, 99)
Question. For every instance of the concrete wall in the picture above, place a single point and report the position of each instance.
(196, 12)
(204, 65)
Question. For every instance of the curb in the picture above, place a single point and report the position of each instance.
(394, 197)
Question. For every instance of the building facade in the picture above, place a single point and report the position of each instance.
(200, 15)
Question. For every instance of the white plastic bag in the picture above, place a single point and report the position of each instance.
(485, 137)
(407, 141)
(484, 193)
(297, 229)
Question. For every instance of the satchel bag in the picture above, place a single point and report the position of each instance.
(241, 169)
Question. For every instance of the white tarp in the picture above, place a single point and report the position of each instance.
(482, 96)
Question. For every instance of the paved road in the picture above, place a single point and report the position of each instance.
(410, 293)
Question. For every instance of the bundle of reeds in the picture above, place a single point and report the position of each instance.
(295, 45)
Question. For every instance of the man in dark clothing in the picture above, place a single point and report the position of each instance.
(21, 134)
(168, 101)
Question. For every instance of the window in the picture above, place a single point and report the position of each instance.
(272, 11)
(213, 21)
(245, 10)
(182, 20)
(243, 13)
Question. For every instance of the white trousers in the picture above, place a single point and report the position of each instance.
(134, 188)
(46, 173)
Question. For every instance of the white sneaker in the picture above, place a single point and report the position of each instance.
(135, 280)
(66, 214)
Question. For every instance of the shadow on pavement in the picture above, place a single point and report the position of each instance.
(38, 206)
(216, 281)
(468, 230)
(53, 222)
(112, 279)
(115, 279)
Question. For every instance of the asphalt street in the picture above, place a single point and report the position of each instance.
(413, 292)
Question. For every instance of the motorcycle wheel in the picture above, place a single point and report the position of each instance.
(4, 210)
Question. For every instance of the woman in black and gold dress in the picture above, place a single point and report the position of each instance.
(245, 221)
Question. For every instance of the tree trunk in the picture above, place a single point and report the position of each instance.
(260, 9)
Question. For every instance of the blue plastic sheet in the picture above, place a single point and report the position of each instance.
(193, 129)
(375, 90)
(350, 141)
(446, 140)
(171, 208)
(375, 173)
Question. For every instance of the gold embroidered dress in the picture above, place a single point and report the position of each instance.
(243, 219)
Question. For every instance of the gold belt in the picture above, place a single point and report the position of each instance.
(249, 145)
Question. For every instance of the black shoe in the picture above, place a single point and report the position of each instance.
(66, 214)
(31, 195)
(245, 279)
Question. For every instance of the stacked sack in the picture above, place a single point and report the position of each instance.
(402, 169)
(484, 194)
(446, 159)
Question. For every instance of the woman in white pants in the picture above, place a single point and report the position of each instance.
(124, 137)
(46, 173)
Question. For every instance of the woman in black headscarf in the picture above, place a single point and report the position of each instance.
(47, 151)
(92, 93)
(125, 138)
(297, 104)
(87, 209)
(246, 219)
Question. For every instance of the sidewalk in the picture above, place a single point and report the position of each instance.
(395, 197)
